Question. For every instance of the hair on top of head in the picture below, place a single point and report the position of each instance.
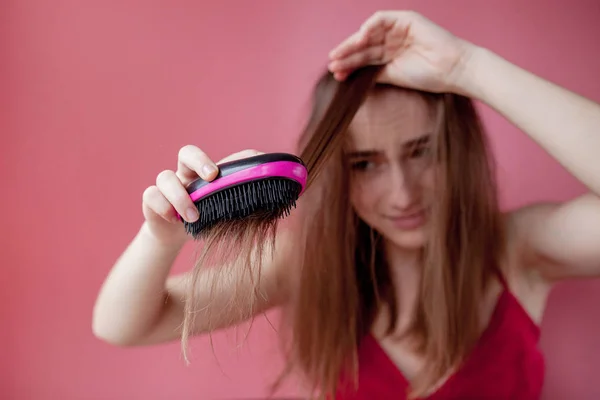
(339, 273)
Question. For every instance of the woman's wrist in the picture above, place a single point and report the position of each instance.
(467, 80)
(173, 244)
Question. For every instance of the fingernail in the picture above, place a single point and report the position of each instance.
(208, 170)
(191, 214)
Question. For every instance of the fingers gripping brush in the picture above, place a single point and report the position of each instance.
(265, 186)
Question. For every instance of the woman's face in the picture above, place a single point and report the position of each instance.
(391, 167)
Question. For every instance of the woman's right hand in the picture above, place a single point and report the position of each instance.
(162, 202)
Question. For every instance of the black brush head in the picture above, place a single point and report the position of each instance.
(267, 199)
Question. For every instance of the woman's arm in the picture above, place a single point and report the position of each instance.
(564, 238)
(132, 298)
(140, 304)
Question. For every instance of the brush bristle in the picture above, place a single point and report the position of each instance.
(270, 199)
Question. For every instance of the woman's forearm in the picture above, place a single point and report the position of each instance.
(565, 124)
(132, 298)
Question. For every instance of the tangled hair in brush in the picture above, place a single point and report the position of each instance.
(339, 276)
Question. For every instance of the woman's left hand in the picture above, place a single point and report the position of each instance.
(416, 52)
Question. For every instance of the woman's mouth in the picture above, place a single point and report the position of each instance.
(408, 221)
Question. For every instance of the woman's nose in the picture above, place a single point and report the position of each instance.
(401, 188)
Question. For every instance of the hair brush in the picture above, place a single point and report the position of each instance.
(264, 186)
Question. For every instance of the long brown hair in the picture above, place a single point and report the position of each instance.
(341, 278)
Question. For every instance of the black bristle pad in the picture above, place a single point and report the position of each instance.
(271, 198)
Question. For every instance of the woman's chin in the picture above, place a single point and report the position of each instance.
(407, 239)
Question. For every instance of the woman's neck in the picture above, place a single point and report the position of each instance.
(403, 258)
(405, 267)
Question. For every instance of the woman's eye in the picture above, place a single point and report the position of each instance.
(362, 165)
(420, 151)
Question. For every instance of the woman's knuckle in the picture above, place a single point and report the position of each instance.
(149, 193)
(185, 149)
(164, 176)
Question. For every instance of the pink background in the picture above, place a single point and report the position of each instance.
(96, 98)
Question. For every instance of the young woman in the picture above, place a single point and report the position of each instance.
(409, 281)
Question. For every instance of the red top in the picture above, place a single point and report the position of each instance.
(505, 364)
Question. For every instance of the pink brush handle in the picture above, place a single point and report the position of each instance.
(276, 169)
(280, 169)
